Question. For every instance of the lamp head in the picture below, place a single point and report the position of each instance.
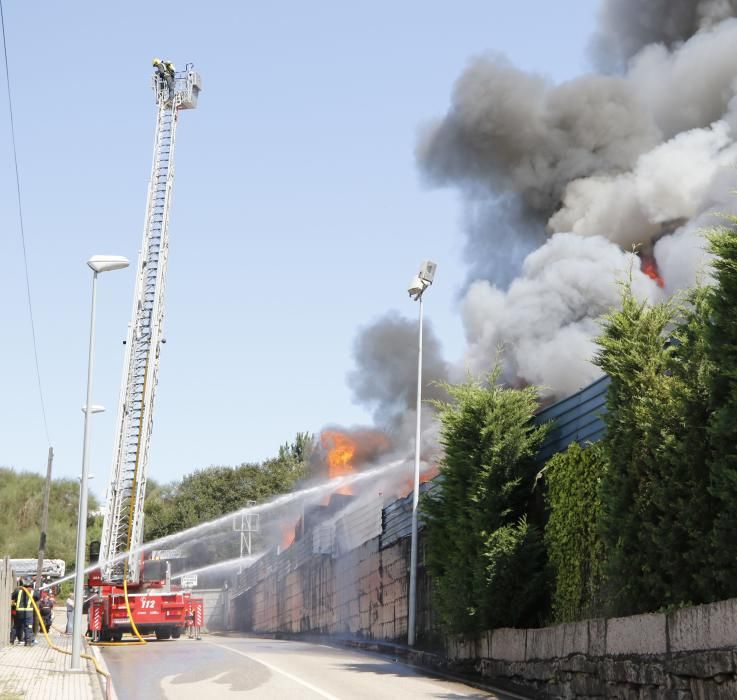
(422, 280)
(94, 408)
(106, 263)
(427, 271)
(416, 287)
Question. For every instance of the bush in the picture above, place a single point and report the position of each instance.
(514, 576)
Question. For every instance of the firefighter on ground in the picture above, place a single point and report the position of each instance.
(189, 621)
(16, 632)
(47, 609)
(24, 613)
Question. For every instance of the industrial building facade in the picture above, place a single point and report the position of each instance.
(347, 573)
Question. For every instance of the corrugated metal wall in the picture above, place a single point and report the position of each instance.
(574, 419)
(397, 517)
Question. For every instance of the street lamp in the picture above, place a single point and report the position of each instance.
(98, 264)
(417, 286)
(94, 408)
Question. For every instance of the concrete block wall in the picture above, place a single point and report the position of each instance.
(362, 593)
(214, 607)
(687, 654)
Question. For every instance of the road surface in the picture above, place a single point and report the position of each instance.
(260, 669)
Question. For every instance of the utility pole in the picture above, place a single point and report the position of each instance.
(248, 525)
(44, 519)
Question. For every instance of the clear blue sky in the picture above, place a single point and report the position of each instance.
(298, 215)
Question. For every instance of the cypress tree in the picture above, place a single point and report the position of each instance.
(683, 496)
(721, 336)
(633, 353)
(486, 559)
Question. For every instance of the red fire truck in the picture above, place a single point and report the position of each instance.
(129, 592)
(156, 605)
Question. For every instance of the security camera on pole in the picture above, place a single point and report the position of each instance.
(417, 287)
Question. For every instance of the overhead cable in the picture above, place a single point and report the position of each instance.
(22, 230)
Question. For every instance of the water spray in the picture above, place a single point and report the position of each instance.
(227, 564)
(274, 504)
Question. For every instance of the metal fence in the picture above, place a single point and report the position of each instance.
(6, 591)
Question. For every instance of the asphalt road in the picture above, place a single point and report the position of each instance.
(247, 667)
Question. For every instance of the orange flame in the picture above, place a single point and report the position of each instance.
(408, 486)
(341, 450)
(288, 534)
(650, 268)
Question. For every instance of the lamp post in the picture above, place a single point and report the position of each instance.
(98, 264)
(416, 289)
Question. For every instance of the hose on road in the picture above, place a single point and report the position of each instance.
(54, 646)
(140, 641)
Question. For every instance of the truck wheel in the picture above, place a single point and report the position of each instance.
(117, 636)
(163, 633)
(176, 633)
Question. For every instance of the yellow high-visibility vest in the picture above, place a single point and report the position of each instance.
(28, 605)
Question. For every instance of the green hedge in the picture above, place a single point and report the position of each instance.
(575, 549)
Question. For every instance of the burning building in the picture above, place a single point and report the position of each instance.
(343, 452)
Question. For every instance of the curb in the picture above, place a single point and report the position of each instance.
(428, 662)
(106, 682)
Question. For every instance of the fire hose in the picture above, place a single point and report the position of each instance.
(42, 625)
(140, 641)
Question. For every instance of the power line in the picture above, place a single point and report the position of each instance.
(22, 230)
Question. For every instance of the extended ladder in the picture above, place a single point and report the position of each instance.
(123, 523)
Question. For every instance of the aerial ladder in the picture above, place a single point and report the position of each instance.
(128, 592)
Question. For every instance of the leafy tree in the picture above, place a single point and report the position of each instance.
(572, 539)
(478, 541)
(299, 452)
(209, 493)
(21, 504)
(159, 509)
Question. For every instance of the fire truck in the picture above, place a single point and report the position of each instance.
(130, 592)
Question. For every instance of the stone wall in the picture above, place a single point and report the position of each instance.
(362, 593)
(691, 653)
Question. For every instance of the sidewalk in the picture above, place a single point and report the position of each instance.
(42, 673)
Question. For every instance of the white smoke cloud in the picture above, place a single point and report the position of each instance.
(545, 322)
(673, 181)
(683, 259)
